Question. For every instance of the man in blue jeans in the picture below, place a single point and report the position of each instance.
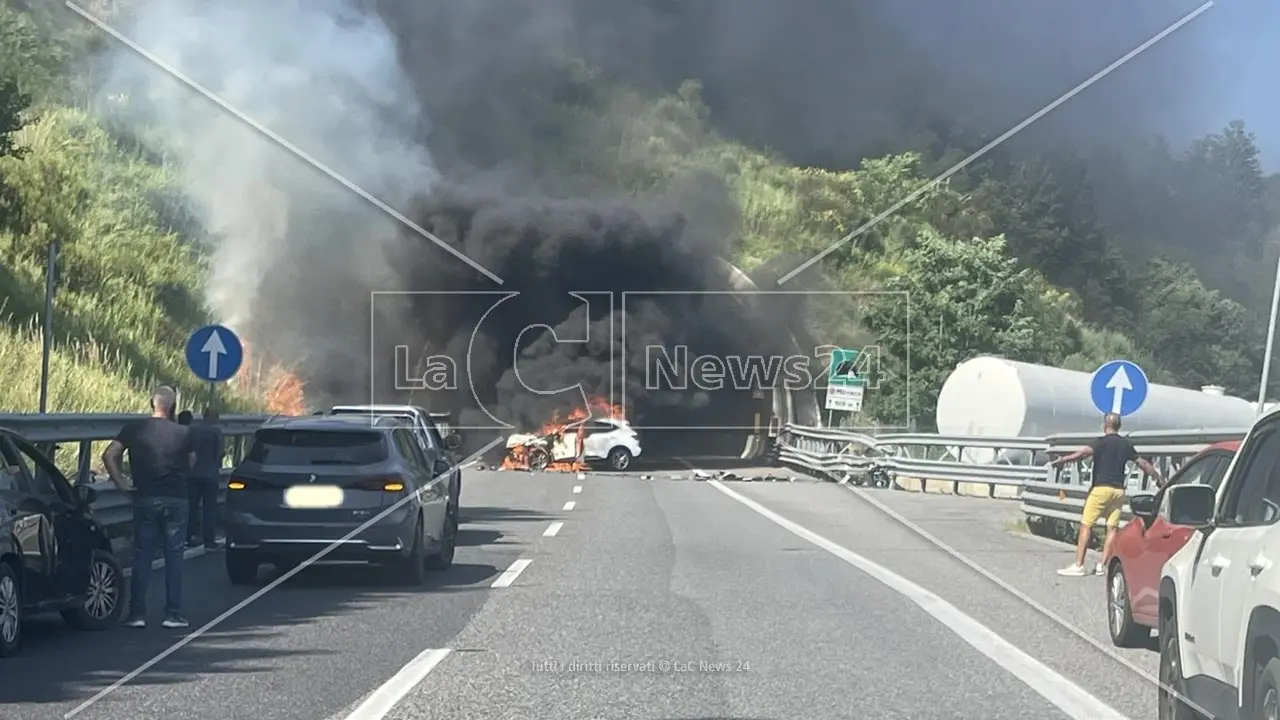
(206, 439)
(160, 460)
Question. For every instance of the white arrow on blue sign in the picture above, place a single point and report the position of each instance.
(214, 353)
(1118, 387)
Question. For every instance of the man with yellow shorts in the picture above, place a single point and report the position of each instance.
(1111, 455)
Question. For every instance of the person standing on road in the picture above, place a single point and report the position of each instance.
(206, 439)
(1111, 455)
(160, 459)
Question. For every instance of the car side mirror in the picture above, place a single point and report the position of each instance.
(1192, 505)
(1143, 506)
(86, 495)
(453, 441)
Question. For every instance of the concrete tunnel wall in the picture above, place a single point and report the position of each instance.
(782, 406)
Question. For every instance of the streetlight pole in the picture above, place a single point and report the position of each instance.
(1271, 344)
(50, 282)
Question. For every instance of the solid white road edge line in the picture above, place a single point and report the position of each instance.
(552, 529)
(389, 694)
(570, 505)
(577, 489)
(1042, 609)
(1072, 699)
(509, 575)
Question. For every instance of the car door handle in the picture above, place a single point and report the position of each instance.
(1218, 564)
(1257, 565)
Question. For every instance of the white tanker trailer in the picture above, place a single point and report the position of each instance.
(994, 397)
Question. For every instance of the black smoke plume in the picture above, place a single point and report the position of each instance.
(314, 275)
(616, 275)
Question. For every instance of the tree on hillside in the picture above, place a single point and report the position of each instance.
(1201, 336)
(959, 299)
(12, 102)
(1207, 207)
(1045, 206)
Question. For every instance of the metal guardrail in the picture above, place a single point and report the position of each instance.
(1009, 467)
(74, 427)
(114, 511)
(1053, 507)
(918, 458)
(111, 508)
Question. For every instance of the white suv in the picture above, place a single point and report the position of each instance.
(611, 440)
(1220, 594)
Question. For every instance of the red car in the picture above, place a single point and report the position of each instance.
(1146, 542)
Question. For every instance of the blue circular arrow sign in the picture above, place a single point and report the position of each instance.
(214, 353)
(1118, 387)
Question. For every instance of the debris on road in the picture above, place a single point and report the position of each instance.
(727, 476)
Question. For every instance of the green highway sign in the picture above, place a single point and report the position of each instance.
(844, 368)
(844, 388)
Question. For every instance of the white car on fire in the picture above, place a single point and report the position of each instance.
(609, 439)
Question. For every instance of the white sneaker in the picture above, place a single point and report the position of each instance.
(1099, 570)
(1073, 571)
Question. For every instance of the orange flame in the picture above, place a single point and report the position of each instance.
(280, 388)
(520, 456)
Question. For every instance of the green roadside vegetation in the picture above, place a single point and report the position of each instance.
(129, 279)
(1037, 255)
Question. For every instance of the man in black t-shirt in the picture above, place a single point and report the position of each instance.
(160, 459)
(1111, 455)
(206, 440)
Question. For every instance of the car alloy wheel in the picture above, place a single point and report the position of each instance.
(620, 458)
(1271, 705)
(10, 619)
(1171, 684)
(1119, 603)
(103, 593)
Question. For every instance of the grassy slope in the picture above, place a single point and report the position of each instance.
(129, 287)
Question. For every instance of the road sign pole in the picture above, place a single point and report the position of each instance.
(1271, 344)
(213, 394)
(50, 283)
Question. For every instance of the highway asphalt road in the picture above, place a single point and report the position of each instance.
(616, 596)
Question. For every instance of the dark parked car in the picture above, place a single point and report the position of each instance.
(307, 483)
(434, 432)
(54, 557)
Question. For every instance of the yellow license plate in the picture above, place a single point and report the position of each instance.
(313, 496)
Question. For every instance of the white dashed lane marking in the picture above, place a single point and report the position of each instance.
(509, 575)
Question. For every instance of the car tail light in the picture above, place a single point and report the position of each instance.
(236, 483)
(380, 484)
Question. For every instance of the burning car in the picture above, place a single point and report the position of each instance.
(566, 447)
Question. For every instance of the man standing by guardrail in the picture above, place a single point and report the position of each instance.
(1111, 455)
(160, 458)
(206, 438)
